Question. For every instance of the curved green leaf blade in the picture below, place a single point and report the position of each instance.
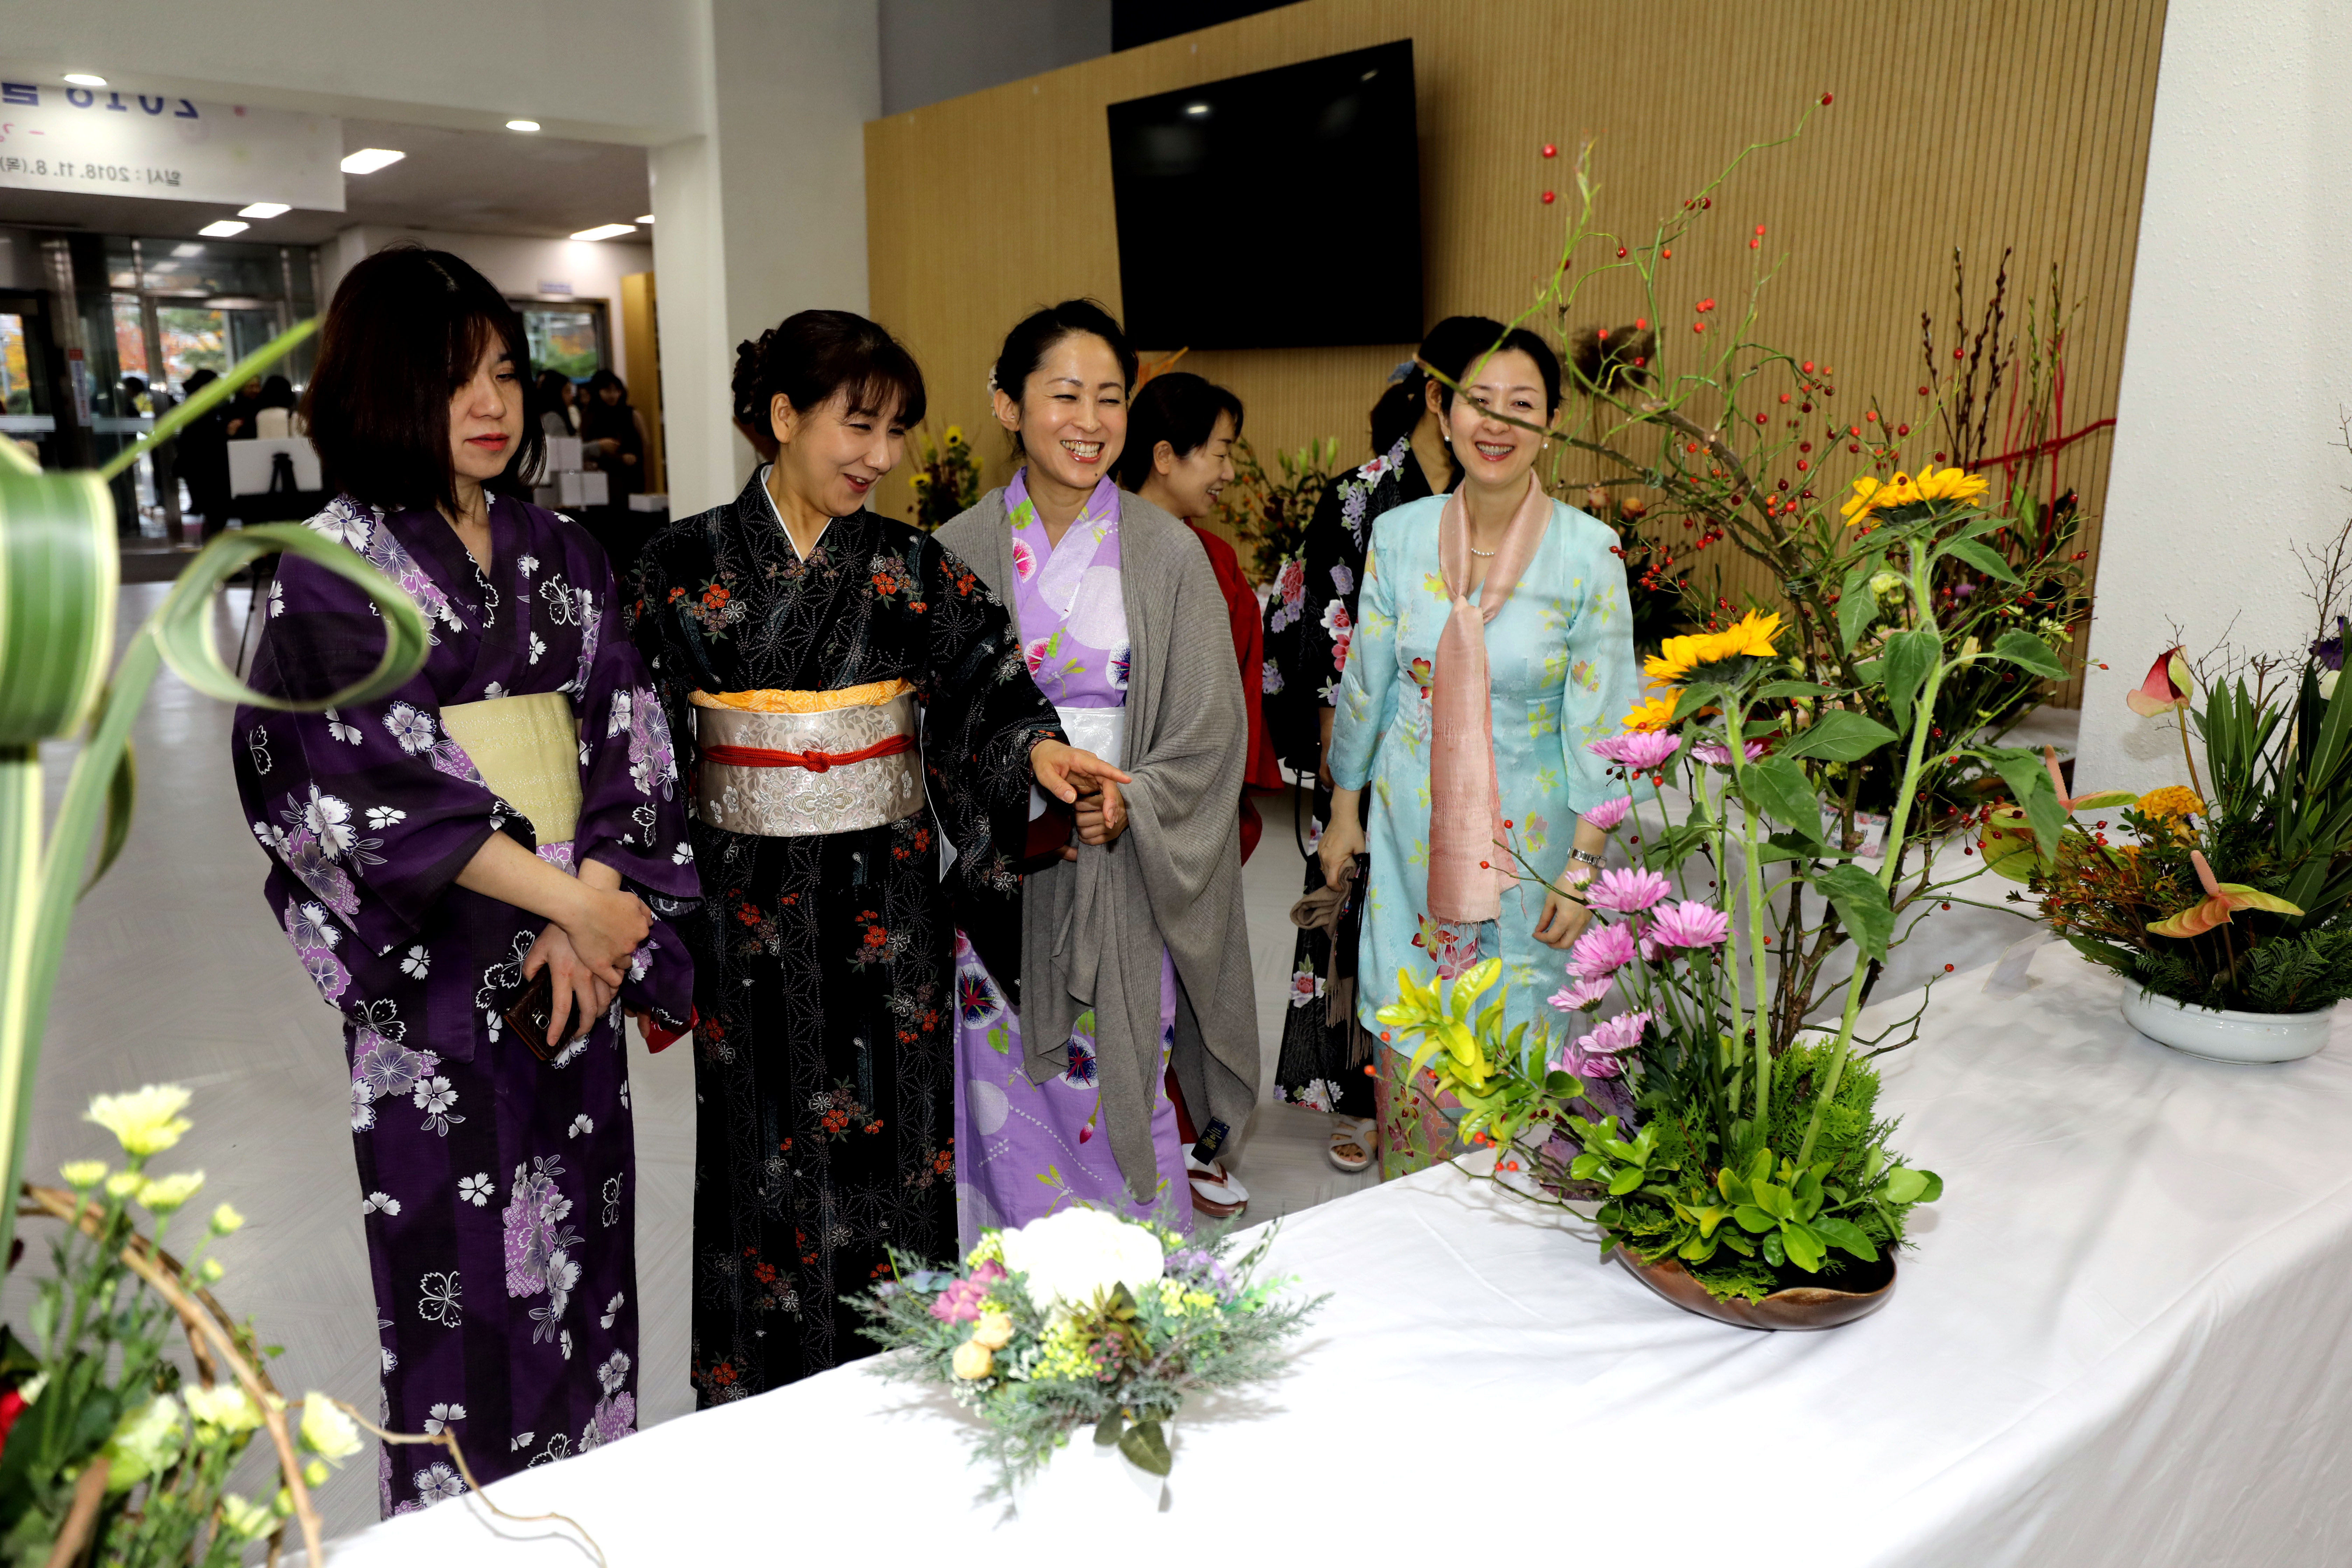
(1840, 735)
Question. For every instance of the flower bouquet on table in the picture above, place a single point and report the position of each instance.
(2229, 907)
(1083, 1319)
(946, 480)
(1735, 1141)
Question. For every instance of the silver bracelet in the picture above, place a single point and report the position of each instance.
(1595, 861)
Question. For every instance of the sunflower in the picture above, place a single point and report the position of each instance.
(1656, 713)
(1951, 484)
(1750, 636)
(1874, 495)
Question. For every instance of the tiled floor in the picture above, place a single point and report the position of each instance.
(175, 973)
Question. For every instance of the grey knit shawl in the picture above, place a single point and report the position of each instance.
(1092, 929)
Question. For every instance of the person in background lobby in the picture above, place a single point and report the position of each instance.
(237, 412)
(203, 458)
(1180, 436)
(1133, 952)
(277, 418)
(794, 633)
(1310, 623)
(509, 814)
(614, 436)
(556, 401)
(1469, 719)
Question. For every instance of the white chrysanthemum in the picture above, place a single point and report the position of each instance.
(146, 1121)
(1070, 1256)
(326, 1430)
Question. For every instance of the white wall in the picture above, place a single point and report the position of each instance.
(516, 267)
(2238, 363)
(762, 215)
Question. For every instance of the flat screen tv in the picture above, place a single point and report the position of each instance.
(1280, 209)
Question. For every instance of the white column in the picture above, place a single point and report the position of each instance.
(2236, 366)
(762, 215)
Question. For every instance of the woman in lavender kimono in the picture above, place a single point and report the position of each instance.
(512, 808)
(793, 634)
(1133, 951)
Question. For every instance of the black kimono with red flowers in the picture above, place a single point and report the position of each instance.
(824, 977)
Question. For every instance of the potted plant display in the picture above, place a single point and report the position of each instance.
(2224, 901)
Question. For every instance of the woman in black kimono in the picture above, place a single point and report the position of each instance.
(800, 631)
(1308, 623)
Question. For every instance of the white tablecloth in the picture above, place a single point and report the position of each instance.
(2122, 1340)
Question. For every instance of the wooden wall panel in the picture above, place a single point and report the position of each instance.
(1980, 124)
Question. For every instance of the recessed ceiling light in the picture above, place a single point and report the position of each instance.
(648, 220)
(606, 231)
(187, 248)
(368, 159)
(83, 78)
(1196, 108)
(224, 229)
(522, 124)
(264, 209)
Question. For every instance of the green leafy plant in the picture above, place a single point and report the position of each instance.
(1269, 516)
(946, 480)
(2239, 897)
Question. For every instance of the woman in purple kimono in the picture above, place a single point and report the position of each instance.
(512, 809)
(1132, 952)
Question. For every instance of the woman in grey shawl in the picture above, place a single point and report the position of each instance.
(1133, 949)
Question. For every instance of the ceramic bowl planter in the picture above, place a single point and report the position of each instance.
(2221, 1036)
(1799, 1307)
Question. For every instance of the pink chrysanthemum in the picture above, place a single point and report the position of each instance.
(1599, 952)
(1688, 924)
(1708, 752)
(1612, 1036)
(1608, 813)
(1640, 750)
(1627, 892)
(1580, 994)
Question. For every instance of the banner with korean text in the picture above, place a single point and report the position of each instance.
(110, 142)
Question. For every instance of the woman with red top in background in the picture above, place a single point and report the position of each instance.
(1180, 432)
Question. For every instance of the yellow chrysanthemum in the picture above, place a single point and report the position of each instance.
(2171, 801)
(1655, 714)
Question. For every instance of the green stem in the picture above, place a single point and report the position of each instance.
(1898, 820)
(1751, 880)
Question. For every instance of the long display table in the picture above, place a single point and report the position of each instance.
(2123, 1339)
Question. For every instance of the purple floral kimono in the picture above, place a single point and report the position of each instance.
(500, 1190)
(1070, 603)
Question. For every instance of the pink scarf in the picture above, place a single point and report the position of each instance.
(1468, 866)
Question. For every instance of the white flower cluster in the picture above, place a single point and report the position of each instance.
(1070, 1256)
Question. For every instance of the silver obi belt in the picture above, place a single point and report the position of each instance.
(784, 765)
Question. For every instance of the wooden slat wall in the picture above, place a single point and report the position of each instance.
(1972, 123)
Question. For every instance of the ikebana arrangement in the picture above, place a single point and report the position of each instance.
(1085, 1321)
(104, 1448)
(945, 480)
(2225, 902)
(1806, 770)
(107, 1447)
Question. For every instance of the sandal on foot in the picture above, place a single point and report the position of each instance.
(1215, 1193)
(1350, 1133)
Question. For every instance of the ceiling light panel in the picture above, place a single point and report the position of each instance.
(368, 159)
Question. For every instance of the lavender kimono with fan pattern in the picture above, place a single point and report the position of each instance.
(499, 1191)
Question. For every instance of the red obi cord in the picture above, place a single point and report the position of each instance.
(814, 761)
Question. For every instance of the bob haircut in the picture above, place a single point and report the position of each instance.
(813, 356)
(407, 329)
(1526, 343)
(1177, 407)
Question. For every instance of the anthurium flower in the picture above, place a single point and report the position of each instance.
(2167, 689)
(2214, 908)
(2098, 800)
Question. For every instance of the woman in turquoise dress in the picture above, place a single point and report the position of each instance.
(1493, 642)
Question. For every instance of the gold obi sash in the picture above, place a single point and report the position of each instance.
(785, 764)
(528, 753)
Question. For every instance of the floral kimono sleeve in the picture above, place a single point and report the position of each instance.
(1368, 690)
(1601, 678)
(632, 811)
(373, 809)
